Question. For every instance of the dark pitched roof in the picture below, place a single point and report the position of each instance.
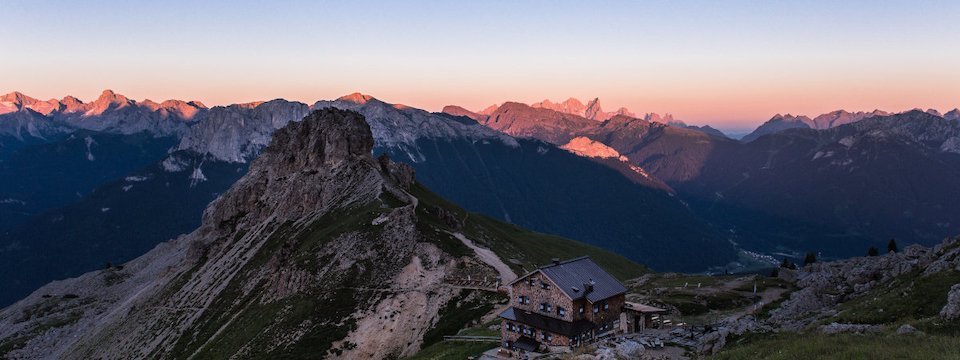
(573, 275)
(553, 325)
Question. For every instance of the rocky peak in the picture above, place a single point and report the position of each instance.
(326, 136)
(795, 118)
(593, 110)
(17, 101)
(624, 111)
(110, 97)
(108, 100)
(840, 117)
(952, 114)
(654, 117)
(308, 165)
(71, 103)
(460, 111)
(149, 104)
(17, 97)
(570, 106)
(185, 110)
(356, 98)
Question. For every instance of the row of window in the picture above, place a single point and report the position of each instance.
(529, 331)
(547, 307)
(543, 284)
(598, 307)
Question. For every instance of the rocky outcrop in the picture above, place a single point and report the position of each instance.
(302, 255)
(906, 329)
(715, 340)
(584, 146)
(951, 311)
(822, 286)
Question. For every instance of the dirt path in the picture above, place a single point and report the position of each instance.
(490, 258)
(767, 297)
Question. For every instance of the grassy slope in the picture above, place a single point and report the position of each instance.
(908, 297)
(790, 346)
(453, 350)
(258, 324)
(522, 249)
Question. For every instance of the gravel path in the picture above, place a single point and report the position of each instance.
(490, 258)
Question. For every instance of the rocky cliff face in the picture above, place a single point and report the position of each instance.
(300, 257)
(237, 133)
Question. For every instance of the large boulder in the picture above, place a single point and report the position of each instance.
(951, 310)
(629, 349)
(906, 329)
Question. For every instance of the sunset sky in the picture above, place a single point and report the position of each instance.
(732, 64)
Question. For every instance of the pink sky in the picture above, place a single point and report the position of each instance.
(730, 64)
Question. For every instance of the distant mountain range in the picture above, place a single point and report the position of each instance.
(827, 121)
(22, 116)
(836, 183)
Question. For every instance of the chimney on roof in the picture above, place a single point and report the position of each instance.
(589, 286)
(556, 261)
